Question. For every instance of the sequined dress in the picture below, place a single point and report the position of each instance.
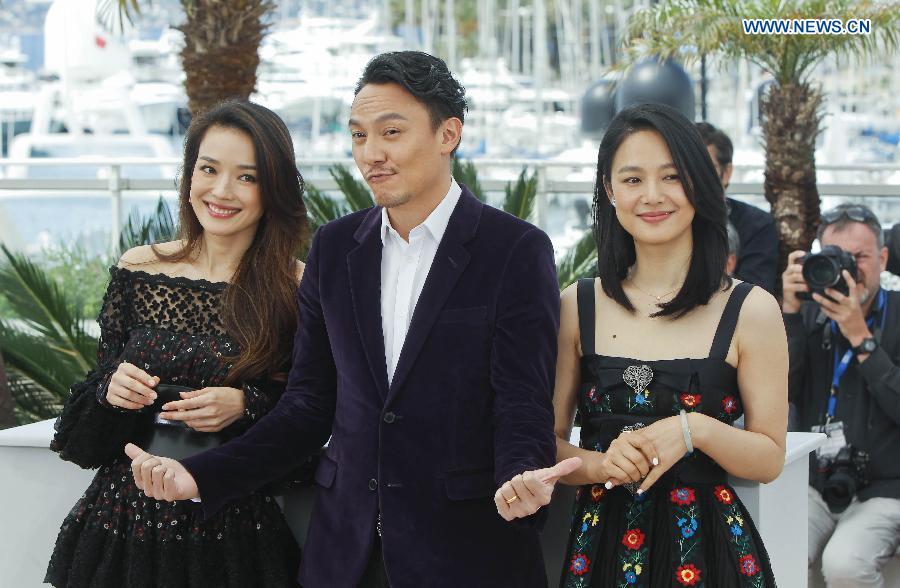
(690, 528)
(115, 536)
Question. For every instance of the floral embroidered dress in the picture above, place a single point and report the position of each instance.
(690, 528)
(115, 536)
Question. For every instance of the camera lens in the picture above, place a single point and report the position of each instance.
(839, 490)
(820, 272)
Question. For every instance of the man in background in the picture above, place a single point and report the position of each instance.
(757, 261)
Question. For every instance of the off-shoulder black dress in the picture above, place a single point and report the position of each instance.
(115, 536)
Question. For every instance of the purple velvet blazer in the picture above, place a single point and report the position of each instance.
(469, 407)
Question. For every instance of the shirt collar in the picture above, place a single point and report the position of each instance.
(437, 221)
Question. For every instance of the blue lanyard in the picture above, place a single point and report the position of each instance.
(841, 365)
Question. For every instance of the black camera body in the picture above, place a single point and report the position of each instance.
(824, 270)
(842, 476)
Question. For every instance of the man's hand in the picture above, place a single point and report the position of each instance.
(792, 282)
(160, 477)
(526, 493)
(846, 310)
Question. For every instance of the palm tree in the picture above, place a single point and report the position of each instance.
(48, 347)
(792, 107)
(221, 47)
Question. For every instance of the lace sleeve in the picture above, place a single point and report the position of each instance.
(260, 396)
(90, 432)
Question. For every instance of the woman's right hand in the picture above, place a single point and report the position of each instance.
(624, 461)
(131, 388)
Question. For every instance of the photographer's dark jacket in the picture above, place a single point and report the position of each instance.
(869, 395)
(757, 260)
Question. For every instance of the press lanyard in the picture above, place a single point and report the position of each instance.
(841, 365)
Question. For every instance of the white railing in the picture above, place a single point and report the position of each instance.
(112, 181)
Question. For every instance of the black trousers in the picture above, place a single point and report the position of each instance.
(375, 575)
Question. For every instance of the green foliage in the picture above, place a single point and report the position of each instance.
(356, 193)
(46, 306)
(521, 196)
(140, 230)
(46, 348)
(687, 29)
(579, 262)
(465, 173)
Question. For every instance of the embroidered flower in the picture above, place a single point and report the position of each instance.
(592, 395)
(633, 539)
(687, 575)
(690, 400)
(682, 496)
(640, 399)
(729, 404)
(723, 495)
(630, 577)
(688, 527)
(580, 564)
(736, 530)
(748, 565)
(597, 492)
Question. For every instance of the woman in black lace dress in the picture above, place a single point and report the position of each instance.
(214, 312)
(659, 356)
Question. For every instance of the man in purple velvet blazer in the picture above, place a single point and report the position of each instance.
(425, 351)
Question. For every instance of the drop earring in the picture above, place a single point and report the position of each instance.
(613, 201)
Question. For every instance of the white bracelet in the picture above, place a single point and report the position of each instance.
(686, 431)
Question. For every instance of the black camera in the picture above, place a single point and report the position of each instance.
(824, 270)
(842, 476)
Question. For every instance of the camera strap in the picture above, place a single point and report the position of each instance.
(841, 364)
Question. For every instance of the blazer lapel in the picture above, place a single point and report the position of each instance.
(364, 266)
(450, 261)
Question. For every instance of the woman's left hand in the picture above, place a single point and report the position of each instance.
(208, 410)
(665, 440)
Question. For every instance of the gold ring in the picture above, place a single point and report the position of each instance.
(513, 499)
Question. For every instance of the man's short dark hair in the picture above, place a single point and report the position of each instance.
(424, 76)
(713, 136)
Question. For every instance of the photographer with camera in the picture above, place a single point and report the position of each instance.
(844, 345)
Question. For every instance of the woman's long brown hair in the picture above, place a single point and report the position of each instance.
(259, 308)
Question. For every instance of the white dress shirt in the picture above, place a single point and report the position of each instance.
(404, 268)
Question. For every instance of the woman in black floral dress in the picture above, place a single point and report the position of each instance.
(214, 312)
(658, 357)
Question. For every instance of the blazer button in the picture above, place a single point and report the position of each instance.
(389, 417)
(373, 484)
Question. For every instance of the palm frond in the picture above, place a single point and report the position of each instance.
(466, 174)
(144, 230)
(33, 402)
(355, 192)
(578, 262)
(521, 196)
(109, 11)
(686, 29)
(321, 208)
(37, 299)
(34, 356)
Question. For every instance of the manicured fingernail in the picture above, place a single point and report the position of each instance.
(640, 491)
(656, 461)
(608, 485)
